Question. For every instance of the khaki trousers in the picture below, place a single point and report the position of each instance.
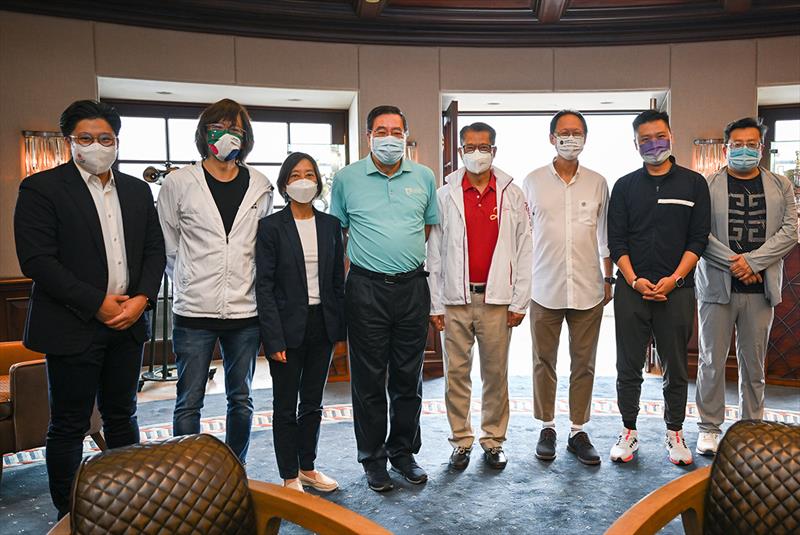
(463, 325)
(584, 332)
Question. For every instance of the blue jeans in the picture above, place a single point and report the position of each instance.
(193, 351)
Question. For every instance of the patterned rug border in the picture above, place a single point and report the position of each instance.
(331, 414)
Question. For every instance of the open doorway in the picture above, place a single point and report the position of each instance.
(522, 122)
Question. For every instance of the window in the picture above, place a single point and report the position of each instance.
(155, 133)
(523, 142)
(782, 141)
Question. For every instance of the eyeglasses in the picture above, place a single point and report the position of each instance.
(85, 139)
(568, 134)
(383, 132)
(739, 144)
(235, 130)
(469, 149)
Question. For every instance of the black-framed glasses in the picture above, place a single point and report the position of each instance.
(218, 127)
(85, 139)
(469, 149)
(755, 145)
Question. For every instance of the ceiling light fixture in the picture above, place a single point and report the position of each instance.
(492, 103)
(163, 92)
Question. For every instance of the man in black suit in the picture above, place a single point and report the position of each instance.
(90, 240)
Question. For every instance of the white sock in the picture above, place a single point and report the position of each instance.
(574, 430)
(551, 425)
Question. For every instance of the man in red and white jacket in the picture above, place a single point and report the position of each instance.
(479, 259)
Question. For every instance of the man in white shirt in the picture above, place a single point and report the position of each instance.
(568, 205)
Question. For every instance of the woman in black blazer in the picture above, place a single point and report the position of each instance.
(300, 296)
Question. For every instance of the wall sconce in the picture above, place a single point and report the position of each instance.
(707, 156)
(411, 150)
(44, 150)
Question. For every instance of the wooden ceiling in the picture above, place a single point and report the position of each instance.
(506, 23)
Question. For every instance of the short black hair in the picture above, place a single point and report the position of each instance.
(478, 127)
(89, 109)
(385, 109)
(649, 116)
(288, 166)
(746, 122)
(225, 110)
(562, 113)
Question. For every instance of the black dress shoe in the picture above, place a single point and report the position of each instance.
(408, 467)
(581, 446)
(496, 458)
(459, 459)
(377, 477)
(546, 447)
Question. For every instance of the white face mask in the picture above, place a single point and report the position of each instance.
(477, 162)
(302, 191)
(226, 147)
(569, 147)
(96, 159)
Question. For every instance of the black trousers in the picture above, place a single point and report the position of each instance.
(387, 328)
(295, 429)
(107, 371)
(670, 324)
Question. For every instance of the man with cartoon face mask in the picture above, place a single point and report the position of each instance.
(568, 204)
(210, 212)
(89, 238)
(386, 204)
(658, 224)
(753, 226)
(479, 259)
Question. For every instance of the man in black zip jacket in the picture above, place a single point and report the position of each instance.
(658, 223)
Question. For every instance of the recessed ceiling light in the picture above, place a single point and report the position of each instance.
(295, 100)
(164, 92)
(492, 103)
(606, 102)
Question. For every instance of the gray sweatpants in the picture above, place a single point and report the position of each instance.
(752, 316)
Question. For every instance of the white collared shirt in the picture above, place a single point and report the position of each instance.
(569, 237)
(109, 212)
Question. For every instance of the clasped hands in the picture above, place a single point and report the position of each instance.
(119, 312)
(742, 270)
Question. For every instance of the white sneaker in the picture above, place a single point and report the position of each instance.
(707, 443)
(321, 482)
(626, 446)
(294, 484)
(679, 453)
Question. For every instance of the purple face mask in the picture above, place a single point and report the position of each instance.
(655, 151)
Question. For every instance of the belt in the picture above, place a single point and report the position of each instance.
(389, 278)
(477, 288)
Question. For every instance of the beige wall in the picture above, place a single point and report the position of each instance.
(709, 83)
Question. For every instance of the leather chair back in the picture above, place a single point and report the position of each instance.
(755, 481)
(188, 484)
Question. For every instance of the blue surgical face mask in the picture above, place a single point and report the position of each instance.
(743, 159)
(388, 149)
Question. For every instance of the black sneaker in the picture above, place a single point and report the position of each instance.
(377, 477)
(459, 459)
(495, 457)
(546, 447)
(581, 446)
(408, 467)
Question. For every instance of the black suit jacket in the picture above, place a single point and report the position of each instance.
(60, 246)
(281, 285)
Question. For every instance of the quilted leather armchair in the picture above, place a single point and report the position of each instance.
(752, 488)
(191, 484)
(24, 407)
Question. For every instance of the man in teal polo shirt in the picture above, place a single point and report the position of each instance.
(386, 204)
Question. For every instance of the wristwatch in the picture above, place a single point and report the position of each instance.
(679, 281)
(610, 280)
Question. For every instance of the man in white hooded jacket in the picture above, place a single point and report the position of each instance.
(479, 259)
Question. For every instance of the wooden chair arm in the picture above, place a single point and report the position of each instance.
(273, 502)
(61, 528)
(684, 496)
(13, 353)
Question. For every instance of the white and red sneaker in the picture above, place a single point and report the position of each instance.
(626, 446)
(679, 452)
